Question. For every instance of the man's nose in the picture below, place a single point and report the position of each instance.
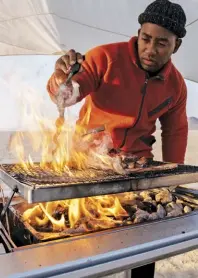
(151, 49)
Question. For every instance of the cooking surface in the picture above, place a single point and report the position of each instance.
(37, 177)
(43, 186)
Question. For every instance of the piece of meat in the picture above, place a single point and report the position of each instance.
(131, 165)
(187, 209)
(117, 165)
(163, 197)
(140, 216)
(154, 168)
(141, 162)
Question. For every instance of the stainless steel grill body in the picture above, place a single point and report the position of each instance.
(104, 252)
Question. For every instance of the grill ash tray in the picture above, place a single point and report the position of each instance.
(44, 186)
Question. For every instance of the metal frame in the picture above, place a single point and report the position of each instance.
(4, 210)
(40, 193)
(105, 252)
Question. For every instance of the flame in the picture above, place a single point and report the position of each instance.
(89, 214)
(73, 150)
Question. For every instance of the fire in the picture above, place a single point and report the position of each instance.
(73, 150)
(86, 214)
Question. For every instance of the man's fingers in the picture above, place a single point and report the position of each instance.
(64, 65)
(66, 61)
(60, 76)
(79, 57)
(60, 65)
(72, 57)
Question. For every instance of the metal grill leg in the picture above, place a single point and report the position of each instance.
(147, 271)
(15, 190)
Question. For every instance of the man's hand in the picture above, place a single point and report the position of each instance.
(65, 95)
(64, 63)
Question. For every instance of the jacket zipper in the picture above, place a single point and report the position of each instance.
(139, 113)
(160, 107)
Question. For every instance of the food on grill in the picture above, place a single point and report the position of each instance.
(130, 161)
(141, 162)
(90, 214)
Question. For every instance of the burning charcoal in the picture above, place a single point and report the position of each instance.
(179, 204)
(131, 210)
(141, 162)
(160, 214)
(146, 195)
(174, 198)
(127, 222)
(187, 209)
(161, 211)
(152, 195)
(140, 216)
(58, 212)
(174, 213)
(163, 197)
(173, 210)
(128, 198)
(153, 216)
(149, 207)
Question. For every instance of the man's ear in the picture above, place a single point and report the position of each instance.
(177, 45)
(139, 32)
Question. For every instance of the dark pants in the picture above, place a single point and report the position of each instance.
(145, 271)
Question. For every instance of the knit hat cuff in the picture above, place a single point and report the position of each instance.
(165, 22)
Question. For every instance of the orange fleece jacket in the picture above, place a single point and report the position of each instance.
(128, 103)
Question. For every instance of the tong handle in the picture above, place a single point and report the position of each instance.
(74, 69)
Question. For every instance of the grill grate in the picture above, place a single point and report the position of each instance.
(44, 177)
(37, 185)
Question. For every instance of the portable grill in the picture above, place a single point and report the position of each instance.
(102, 252)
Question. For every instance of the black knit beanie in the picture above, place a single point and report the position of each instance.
(166, 14)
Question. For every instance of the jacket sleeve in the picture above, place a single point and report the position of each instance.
(174, 125)
(94, 68)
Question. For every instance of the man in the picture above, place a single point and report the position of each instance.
(129, 85)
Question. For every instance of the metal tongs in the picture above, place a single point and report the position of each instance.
(60, 104)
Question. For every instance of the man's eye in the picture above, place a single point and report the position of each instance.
(145, 39)
(161, 44)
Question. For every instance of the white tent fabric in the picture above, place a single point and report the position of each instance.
(49, 26)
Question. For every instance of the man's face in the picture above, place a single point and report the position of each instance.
(155, 46)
